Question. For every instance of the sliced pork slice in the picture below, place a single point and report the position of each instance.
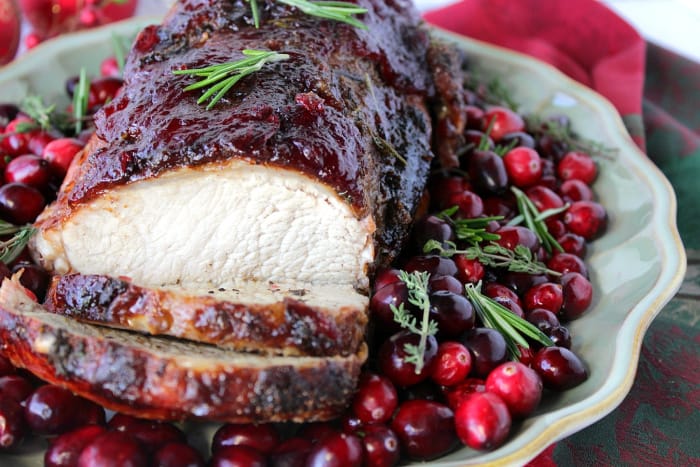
(309, 170)
(268, 319)
(167, 379)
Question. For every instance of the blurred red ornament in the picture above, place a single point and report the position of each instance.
(10, 29)
(52, 17)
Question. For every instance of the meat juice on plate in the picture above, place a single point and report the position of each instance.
(468, 328)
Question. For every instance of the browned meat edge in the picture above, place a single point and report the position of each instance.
(122, 371)
(288, 326)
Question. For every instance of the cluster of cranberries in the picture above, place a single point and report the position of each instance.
(471, 387)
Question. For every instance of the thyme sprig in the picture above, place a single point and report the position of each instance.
(472, 231)
(333, 10)
(222, 77)
(562, 132)
(81, 95)
(13, 246)
(417, 285)
(513, 328)
(45, 117)
(535, 220)
(520, 259)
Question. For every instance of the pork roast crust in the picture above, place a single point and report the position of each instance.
(296, 322)
(338, 111)
(165, 379)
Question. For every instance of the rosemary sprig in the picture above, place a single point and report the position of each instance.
(12, 247)
(563, 133)
(222, 77)
(44, 117)
(417, 284)
(80, 100)
(120, 50)
(519, 259)
(333, 10)
(386, 147)
(534, 220)
(472, 231)
(513, 328)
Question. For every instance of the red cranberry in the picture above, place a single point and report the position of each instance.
(469, 271)
(514, 235)
(445, 283)
(501, 121)
(16, 142)
(237, 456)
(523, 165)
(380, 446)
(177, 455)
(340, 450)
(475, 117)
(518, 139)
(500, 293)
(350, 423)
(488, 172)
(64, 450)
(453, 313)
(13, 427)
(20, 203)
(263, 438)
(482, 421)
(469, 203)
(519, 386)
(442, 187)
(521, 282)
(555, 227)
(586, 218)
(574, 244)
(291, 453)
(425, 429)
(431, 228)
(433, 264)
(455, 395)
(578, 295)
(567, 262)
(392, 359)
(488, 349)
(561, 337)
(543, 319)
(51, 410)
(38, 142)
(575, 190)
(381, 305)
(559, 368)
(375, 399)
(577, 165)
(454, 362)
(110, 67)
(102, 90)
(152, 434)
(497, 206)
(113, 449)
(33, 277)
(385, 277)
(527, 355)
(15, 387)
(60, 153)
(548, 296)
(544, 198)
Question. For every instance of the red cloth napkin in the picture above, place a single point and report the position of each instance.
(583, 38)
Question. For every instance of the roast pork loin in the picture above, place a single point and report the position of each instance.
(309, 170)
(168, 379)
(267, 319)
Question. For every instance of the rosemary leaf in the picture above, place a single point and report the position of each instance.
(80, 100)
(535, 220)
(13, 246)
(566, 135)
(333, 10)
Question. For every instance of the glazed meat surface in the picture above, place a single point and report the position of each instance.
(308, 170)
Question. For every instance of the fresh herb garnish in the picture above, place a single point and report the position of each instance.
(386, 147)
(222, 77)
(81, 94)
(44, 117)
(417, 284)
(513, 328)
(535, 220)
(335, 11)
(472, 231)
(520, 259)
(563, 133)
(13, 246)
(120, 50)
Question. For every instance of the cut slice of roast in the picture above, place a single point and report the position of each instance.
(309, 170)
(170, 379)
(268, 319)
